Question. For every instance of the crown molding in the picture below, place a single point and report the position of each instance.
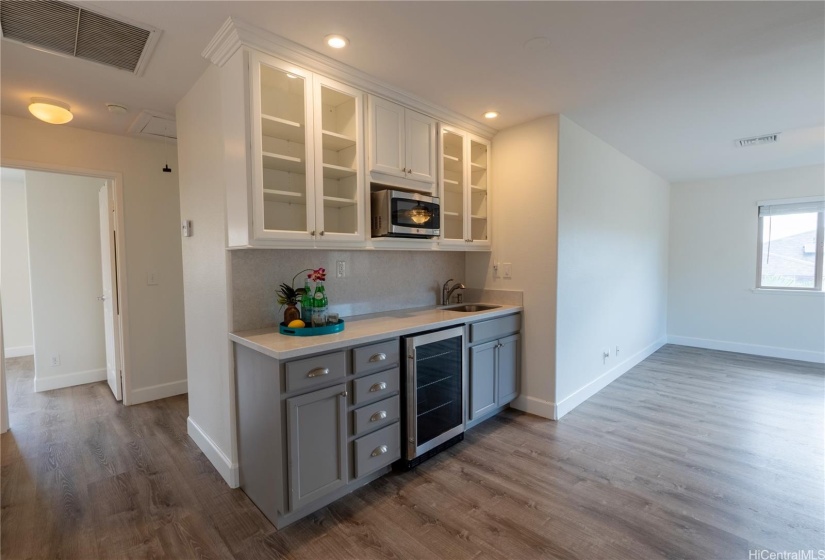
(235, 33)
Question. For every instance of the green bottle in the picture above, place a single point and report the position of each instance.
(320, 305)
(306, 304)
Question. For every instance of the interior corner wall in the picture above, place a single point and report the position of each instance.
(64, 251)
(206, 274)
(612, 264)
(524, 172)
(713, 240)
(18, 338)
(157, 357)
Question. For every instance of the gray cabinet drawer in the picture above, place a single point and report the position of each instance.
(316, 370)
(375, 386)
(375, 415)
(375, 357)
(495, 328)
(377, 450)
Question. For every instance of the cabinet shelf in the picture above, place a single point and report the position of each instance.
(451, 214)
(479, 217)
(283, 129)
(335, 202)
(477, 190)
(281, 162)
(477, 166)
(274, 195)
(452, 164)
(336, 142)
(337, 171)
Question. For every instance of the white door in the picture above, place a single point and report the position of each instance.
(387, 137)
(420, 147)
(107, 260)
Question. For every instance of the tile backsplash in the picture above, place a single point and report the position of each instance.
(375, 280)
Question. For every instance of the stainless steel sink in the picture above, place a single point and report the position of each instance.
(471, 308)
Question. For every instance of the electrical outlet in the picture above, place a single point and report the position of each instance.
(605, 354)
(152, 278)
(55, 361)
(617, 350)
(495, 269)
(340, 269)
(508, 270)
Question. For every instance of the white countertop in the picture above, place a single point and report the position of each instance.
(363, 329)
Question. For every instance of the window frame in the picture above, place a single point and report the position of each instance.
(819, 254)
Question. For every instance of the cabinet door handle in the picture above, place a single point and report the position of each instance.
(378, 387)
(380, 450)
(380, 357)
(344, 394)
(312, 233)
(318, 372)
(322, 232)
(378, 416)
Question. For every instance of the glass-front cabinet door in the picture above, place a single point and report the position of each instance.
(454, 185)
(478, 231)
(283, 191)
(465, 197)
(339, 159)
(308, 155)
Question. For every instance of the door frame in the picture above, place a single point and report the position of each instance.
(115, 180)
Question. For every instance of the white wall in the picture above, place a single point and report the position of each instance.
(155, 326)
(524, 173)
(612, 264)
(64, 248)
(14, 266)
(206, 274)
(712, 301)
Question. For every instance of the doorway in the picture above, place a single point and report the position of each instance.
(61, 235)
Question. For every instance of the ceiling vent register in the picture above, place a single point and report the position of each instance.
(68, 30)
(758, 140)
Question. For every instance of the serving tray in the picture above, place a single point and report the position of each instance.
(312, 331)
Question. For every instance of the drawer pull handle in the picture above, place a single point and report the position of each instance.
(380, 357)
(378, 416)
(318, 372)
(380, 450)
(378, 387)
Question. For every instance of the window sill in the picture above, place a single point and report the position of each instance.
(780, 291)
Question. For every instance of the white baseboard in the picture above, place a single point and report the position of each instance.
(743, 348)
(19, 351)
(224, 465)
(64, 380)
(572, 401)
(155, 392)
(532, 405)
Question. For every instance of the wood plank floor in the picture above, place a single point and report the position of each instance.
(692, 454)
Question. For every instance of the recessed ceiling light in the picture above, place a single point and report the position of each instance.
(536, 43)
(50, 111)
(336, 41)
(490, 115)
(116, 109)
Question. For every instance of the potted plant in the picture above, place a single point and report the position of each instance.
(289, 296)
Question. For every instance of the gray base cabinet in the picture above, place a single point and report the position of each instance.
(317, 434)
(494, 354)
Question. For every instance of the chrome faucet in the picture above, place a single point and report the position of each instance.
(447, 291)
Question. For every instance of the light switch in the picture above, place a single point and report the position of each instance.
(152, 278)
(508, 270)
(186, 228)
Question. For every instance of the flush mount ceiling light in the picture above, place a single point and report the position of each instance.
(536, 44)
(50, 111)
(336, 41)
(490, 114)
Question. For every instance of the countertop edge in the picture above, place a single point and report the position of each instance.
(341, 340)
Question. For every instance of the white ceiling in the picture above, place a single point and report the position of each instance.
(670, 84)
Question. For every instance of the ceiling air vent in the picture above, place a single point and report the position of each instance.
(68, 30)
(758, 140)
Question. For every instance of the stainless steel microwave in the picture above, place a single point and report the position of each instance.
(404, 214)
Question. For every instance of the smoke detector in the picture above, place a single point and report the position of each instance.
(757, 140)
(69, 30)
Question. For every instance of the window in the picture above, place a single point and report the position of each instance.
(790, 244)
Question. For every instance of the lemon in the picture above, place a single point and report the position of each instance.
(296, 324)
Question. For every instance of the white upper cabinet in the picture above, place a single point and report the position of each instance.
(465, 204)
(402, 146)
(307, 156)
